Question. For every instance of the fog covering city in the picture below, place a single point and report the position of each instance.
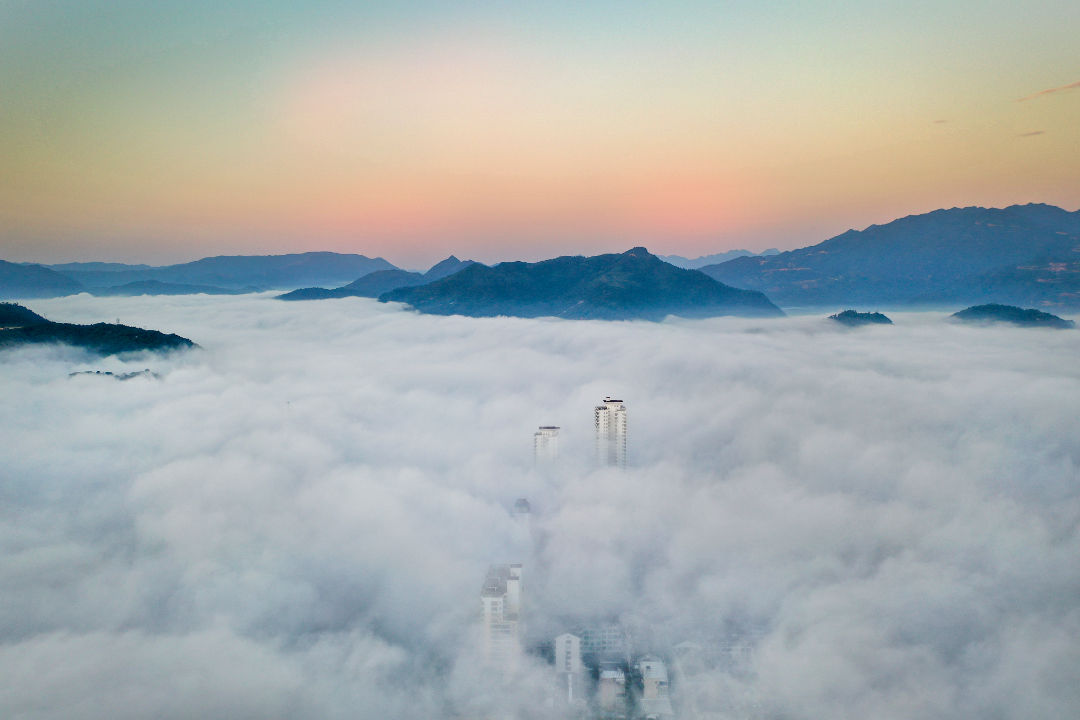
(295, 520)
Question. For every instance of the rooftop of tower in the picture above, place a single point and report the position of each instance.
(495, 582)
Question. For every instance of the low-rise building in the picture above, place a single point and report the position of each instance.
(655, 703)
(611, 692)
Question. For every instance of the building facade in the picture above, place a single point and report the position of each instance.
(604, 641)
(611, 697)
(546, 445)
(569, 668)
(500, 600)
(610, 419)
(655, 701)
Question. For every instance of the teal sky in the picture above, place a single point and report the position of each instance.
(166, 131)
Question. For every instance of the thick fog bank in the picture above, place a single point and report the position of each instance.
(295, 520)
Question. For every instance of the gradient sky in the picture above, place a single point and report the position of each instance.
(167, 131)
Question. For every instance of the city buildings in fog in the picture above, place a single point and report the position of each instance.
(610, 418)
(500, 599)
(546, 445)
(604, 641)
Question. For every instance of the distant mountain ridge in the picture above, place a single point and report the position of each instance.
(231, 272)
(34, 281)
(1023, 254)
(446, 268)
(714, 259)
(96, 267)
(631, 285)
(213, 275)
(156, 287)
(375, 284)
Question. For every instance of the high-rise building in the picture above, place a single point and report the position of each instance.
(500, 600)
(611, 433)
(569, 667)
(546, 444)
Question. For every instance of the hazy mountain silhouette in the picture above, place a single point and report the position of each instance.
(995, 313)
(156, 287)
(634, 284)
(261, 272)
(446, 268)
(1025, 254)
(34, 281)
(383, 281)
(96, 267)
(706, 260)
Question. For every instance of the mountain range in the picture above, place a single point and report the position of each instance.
(265, 272)
(1025, 255)
(215, 275)
(1022, 254)
(157, 287)
(379, 282)
(34, 281)
(631, 285)
(715, 259)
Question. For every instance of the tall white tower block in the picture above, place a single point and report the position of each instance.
(611, 433)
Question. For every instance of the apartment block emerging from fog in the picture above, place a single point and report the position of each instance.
(501, 606)
(546, 444)
(569, 667)
(611, 433)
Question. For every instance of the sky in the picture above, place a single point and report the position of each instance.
(167, 131)
(295, 520)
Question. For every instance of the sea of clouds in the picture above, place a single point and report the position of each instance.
(295, 520)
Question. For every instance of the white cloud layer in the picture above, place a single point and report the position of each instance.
(294, 521)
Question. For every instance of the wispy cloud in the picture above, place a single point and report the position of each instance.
(1032, 133)
(1070, 86)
